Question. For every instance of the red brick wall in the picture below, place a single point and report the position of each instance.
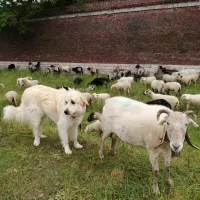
(161, 36)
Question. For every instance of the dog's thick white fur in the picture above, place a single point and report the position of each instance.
(65, 108)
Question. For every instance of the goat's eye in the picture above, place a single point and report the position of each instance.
(72, 102)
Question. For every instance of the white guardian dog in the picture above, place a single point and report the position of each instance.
(65, 108)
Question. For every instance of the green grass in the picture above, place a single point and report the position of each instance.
(46, 172)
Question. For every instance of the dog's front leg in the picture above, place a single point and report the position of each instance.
(73, 132)
(63, 133)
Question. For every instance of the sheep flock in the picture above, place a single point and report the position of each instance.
(144, 109)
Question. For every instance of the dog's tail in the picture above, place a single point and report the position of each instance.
(12, 113)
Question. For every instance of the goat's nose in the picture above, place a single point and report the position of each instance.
(176, 146)
(66, 112)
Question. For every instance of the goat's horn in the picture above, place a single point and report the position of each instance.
(162, 111)
(189, 141)
(191, 112)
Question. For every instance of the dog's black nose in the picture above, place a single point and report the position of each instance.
(66, 112)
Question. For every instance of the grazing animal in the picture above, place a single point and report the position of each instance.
(167, 71)
(101, 96)
(191, 99)
(125, 85)
(77, 70)
(11, 67)
(93, 71)
(99, 82)
(174, 102)
(161, 102)
(77, 80)
(64, 108)
(21, 81)
(33, 67)
(154, 127)
(12, 97)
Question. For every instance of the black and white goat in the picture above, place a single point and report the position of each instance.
(77, 70)
(99, 82)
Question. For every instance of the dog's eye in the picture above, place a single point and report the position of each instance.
(72, 102)
(186, 124)
(167, 123)
(66, 102)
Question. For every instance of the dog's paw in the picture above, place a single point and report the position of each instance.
(36, 142)
(43, 136)
(78, 146)
(68, 151)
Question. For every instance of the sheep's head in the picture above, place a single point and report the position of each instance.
(175, 128)
(148, 92)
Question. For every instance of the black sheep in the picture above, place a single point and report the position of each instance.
(77, 80)
(99, 82)
(11, 67)
(77, 70)
(167, 71)
(162, 102)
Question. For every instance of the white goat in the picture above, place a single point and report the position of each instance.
(147, 80)
(12, 97)
(101, 96)
(173, 101)
(125, 85)
(172, 86)
(137, 123)
(191, 99)
(157, 85)
(66, 69)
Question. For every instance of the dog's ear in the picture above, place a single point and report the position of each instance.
(84, 101)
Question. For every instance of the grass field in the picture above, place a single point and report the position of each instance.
(47, 173)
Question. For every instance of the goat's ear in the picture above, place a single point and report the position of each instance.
(193, 122)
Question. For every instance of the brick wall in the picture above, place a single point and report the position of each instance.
(165, 36)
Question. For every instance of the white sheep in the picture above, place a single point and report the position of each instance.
(172, 86)
(94, 127)
(137, 123)
(193, 74)
(173, 101)
(125, 85)
(191, 99)
(12, 97)
(170, 78)
(129, 79)
(157, 85)
(65, 68)
(184, 79)
(28, 83)
(101, 96)
(88, 96)
(20, 81)
(147, 80)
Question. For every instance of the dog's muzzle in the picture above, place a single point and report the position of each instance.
(66, 112)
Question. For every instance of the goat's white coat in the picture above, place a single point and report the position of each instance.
(101, 96)
(125, 85)
(94, 127)
(172, 86)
